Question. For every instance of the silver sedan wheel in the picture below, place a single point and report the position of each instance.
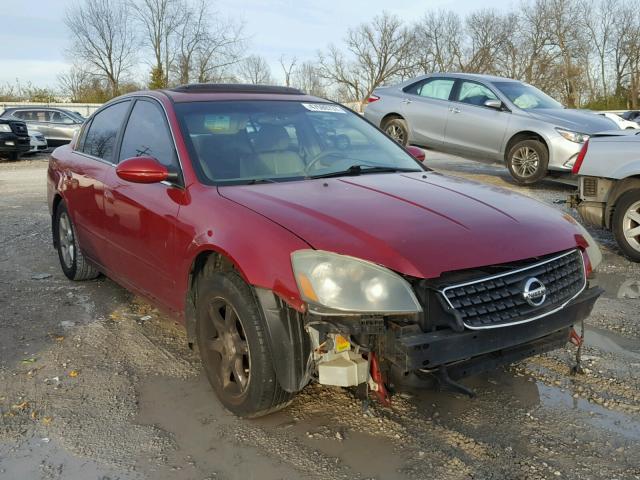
(525, 162)
(66, 241)
(631, 226)
(395, 132)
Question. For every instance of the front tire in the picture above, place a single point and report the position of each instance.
(527, 161)
(233, 346)
(74, 264)
(626, 224)
(397, 129)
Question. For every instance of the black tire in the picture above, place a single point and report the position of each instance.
(397, 129)
(74, 264)
(626, 206)
(527, 161)
(14, 156)
(225, 293)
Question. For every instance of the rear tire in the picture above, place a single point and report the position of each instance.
(527, 161)
(232, 341)
(74, 264)
(397, 129)
(626, 224)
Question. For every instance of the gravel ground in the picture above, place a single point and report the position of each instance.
(97, 384)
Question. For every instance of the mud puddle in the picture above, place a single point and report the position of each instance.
(599, 417)
(46, 459)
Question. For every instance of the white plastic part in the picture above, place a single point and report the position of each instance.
(345, 369)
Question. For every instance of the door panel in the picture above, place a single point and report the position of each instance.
(473, 128)
(426, 108)
(84, 176)
(140, 218)
(83, 193)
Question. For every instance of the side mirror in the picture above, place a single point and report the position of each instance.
(144, 170)
(492, 103)
(416, 153)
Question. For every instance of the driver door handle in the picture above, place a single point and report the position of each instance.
(454, 109)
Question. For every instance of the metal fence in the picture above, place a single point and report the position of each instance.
(84, 109)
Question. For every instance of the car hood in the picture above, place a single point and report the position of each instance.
(582, 121)
(420, 224)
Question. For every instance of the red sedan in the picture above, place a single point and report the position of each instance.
(298, 243)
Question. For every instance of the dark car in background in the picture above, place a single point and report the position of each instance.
(58, 125)
(14, 138)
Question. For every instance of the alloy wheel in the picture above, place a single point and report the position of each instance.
(66, 241)
(631, 226)
(227, 347)
(525, 162)
(395, 132)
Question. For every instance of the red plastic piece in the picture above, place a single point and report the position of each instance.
(376, 375)
(575, 338)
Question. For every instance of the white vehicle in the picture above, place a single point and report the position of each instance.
(609, 186)
(621, 122)
(37, 141)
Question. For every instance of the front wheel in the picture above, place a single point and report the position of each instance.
(626, 224)
(527, 161)
(231, 338)
(397, 129)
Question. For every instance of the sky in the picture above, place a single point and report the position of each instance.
(34, 38)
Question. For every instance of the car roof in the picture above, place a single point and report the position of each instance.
(475, 76)
(37, 107)
(204, 92)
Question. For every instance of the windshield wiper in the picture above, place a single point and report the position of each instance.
(255, 181)
(361, 169)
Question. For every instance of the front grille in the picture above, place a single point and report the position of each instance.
(590, 186)
(499, 300)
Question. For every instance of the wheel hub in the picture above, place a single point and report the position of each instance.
(525, 161)
(65, 240)
(228, 347)
(631, 226)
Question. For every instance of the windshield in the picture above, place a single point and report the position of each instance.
(252, 141)
(525, 96)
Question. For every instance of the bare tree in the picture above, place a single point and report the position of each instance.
(74, 83)
(222, 48)
(438, 39)
(377, 52)
(255, 70)
(599, 19)
(161, 19)
(103, 38)
(190, 35)
(488, 35)
(287, 68)
(307, 78)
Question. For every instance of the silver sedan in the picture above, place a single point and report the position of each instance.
(485, 117)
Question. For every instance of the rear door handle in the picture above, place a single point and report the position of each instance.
(406, 101)
(454, 109)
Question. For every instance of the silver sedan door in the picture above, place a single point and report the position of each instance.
(474, 128)
(426, 108)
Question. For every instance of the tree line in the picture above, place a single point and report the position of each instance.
(586, 53)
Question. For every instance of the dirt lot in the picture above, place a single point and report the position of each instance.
(96, 384)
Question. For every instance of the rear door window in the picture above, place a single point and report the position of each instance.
(147, 134)
(103, 131)
(438, 88)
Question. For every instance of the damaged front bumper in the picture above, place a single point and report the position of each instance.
(472, 351)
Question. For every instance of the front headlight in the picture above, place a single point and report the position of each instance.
(335, 284)
(4, 127)
(575, 137)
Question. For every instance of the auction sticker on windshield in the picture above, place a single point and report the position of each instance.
(323, 107)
